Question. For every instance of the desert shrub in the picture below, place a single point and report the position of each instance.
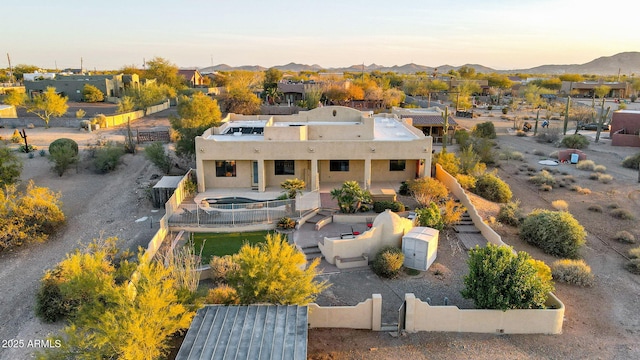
(427, 189)
(594, 176)
(404, 189)
(604, 178)
(584, 191)
(15, 137)
(10, 166)
(613, 206)
(575, 141)
(511, 155)
(63, 156)
(430, 216)
(634, 253)
(600, 168)
(388, 262)
(107, 158)
(622, 214)
(630, 162)
(548, 136)
(484, 130)
(560, 205)
(556, 232)
(543, 177)
(470, 162)
(537, 152)
(59, 143)
(92, 94)
(462, 138)
(587, 165)
(223, 295)
(574, 272)
(452, 212)
(156, 153)
(521, 133)
(51, 305)
(625, 237)
(633, 266)
(492, 188)
(286, 223)
(595, 208)
(221, 267)
(100, 119)
(467, 182)
(395, 206)
(500, 279)
(510, 213)
(545, 188)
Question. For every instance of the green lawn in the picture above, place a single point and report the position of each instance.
(220, 244)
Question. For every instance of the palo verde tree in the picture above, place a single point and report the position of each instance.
(165, 73)
(47, 105)
(500, 279)
(195, 115)
(272, 272)
(113, 311)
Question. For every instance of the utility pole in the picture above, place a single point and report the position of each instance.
(81, 68)
(144, 64)
(566, 115)
(446, 129)
(10, 69)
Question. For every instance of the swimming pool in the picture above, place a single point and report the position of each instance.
(234, 200)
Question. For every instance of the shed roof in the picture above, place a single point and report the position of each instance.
(170, 182)
(247, 332)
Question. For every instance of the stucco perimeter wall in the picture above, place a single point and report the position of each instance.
(420, 316)
(366, 315)
(452, 184)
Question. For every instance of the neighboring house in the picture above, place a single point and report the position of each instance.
(292, 92)
(192, 77)
(8, 112)
(330, 144)
(625, 128)
(587, 88)
(429, 120)
(275, 332)
(71, 86)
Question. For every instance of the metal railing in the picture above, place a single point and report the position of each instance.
(218, 215)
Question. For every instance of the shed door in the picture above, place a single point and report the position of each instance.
(420, 250)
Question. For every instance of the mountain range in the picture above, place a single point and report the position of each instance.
(624, 63)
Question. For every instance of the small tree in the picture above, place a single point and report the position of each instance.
(271, 272)
(500, 279)
(63, 153)
(159, 157)
(126, 104)
(292, 187)
(351, 197)
(10, 166)
(484, 130)
(47, 105)
(92, 94)
(556, 232)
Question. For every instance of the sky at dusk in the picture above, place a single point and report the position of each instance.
(503, 35)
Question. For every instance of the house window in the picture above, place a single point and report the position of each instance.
(285, 167)
(225, 168)
(338, 165)
(397, 165)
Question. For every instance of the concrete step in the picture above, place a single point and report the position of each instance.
(469, 229)
(469, 241)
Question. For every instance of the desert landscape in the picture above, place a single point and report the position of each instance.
(601, 321)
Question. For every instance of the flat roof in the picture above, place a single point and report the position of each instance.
(385, 129)
(388, 129)
(247, 332)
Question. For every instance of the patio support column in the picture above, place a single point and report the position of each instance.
(261, 176)
(425, 168)
(314, 175)
(367, 174)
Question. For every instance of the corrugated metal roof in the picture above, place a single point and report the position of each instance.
(271, 332)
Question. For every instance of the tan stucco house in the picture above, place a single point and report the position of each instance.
(325, 145)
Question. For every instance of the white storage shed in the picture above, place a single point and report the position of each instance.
(420, 247)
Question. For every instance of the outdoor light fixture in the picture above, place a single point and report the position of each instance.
(201, 150)
(373, 149)
(256, 150)
(311, 149)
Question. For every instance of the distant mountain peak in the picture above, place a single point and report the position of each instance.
(625, 62)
